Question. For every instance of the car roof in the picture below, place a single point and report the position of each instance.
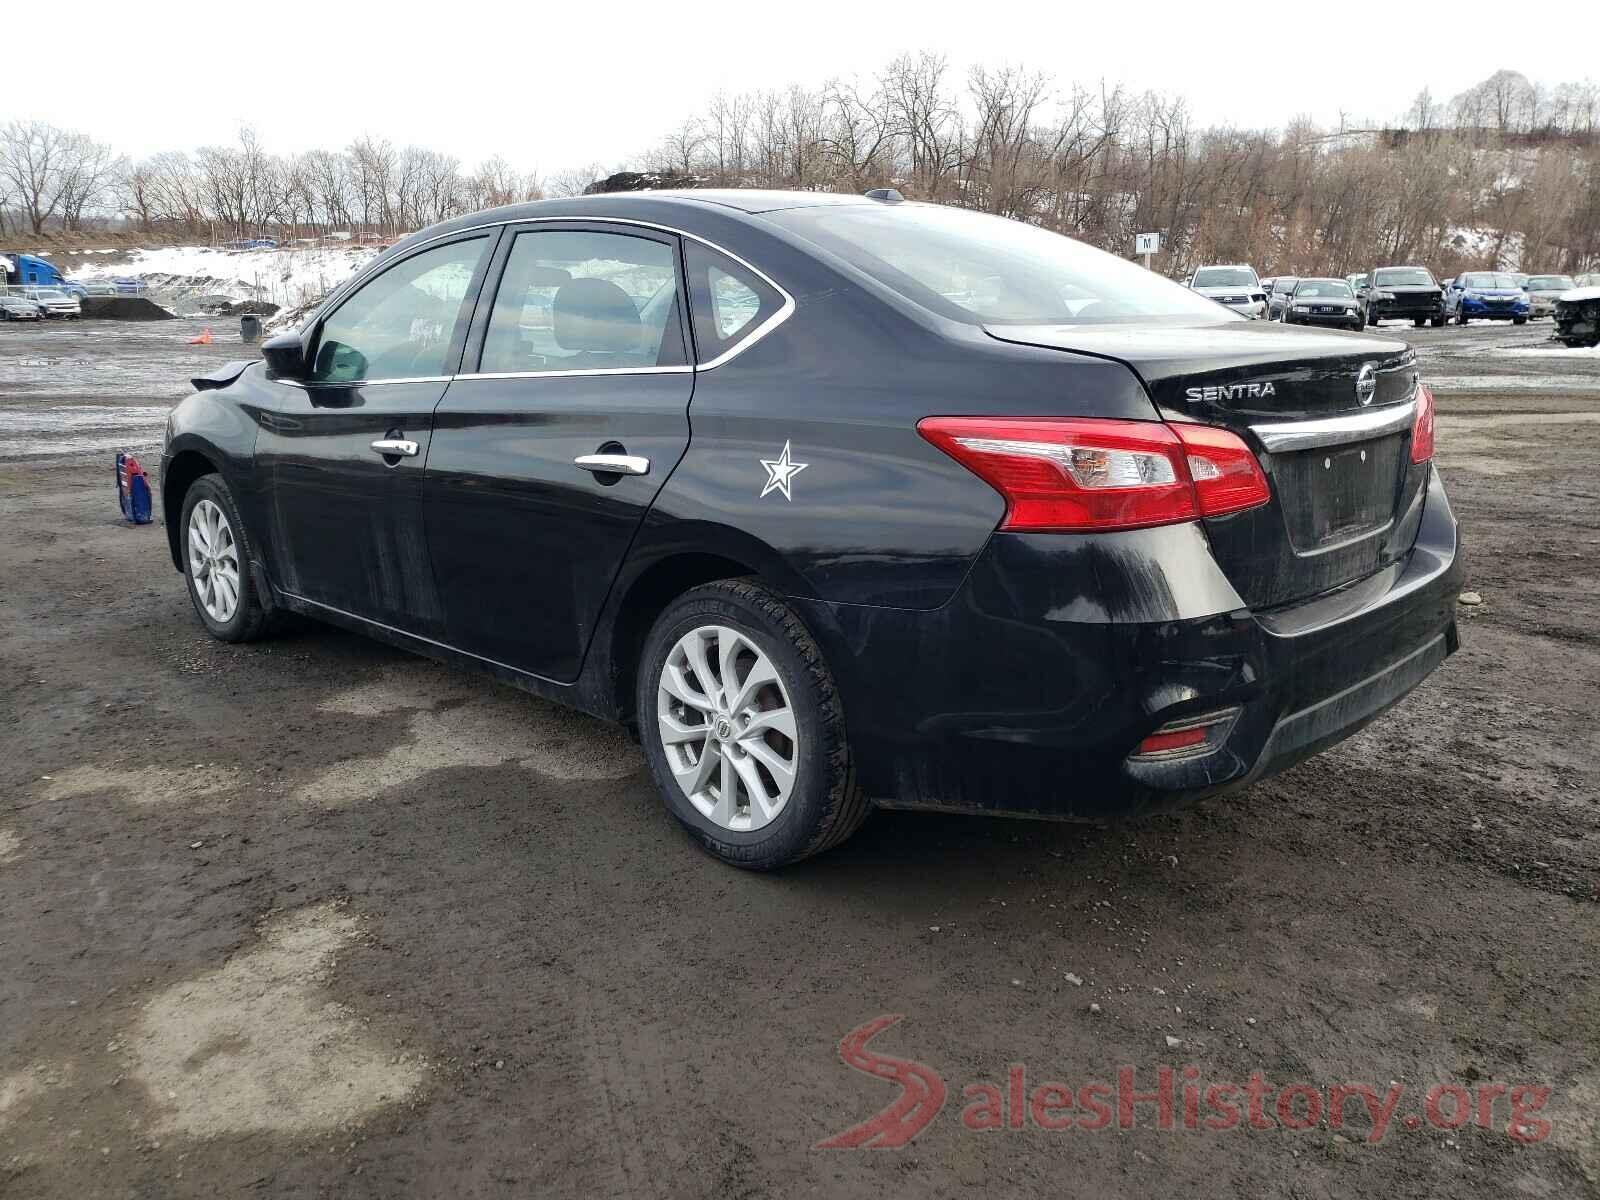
(651, 207)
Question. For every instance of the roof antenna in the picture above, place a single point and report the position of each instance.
(887, 195)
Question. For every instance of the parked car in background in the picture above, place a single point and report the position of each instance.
(1591, 280)
(1577, 316)
(1404, 293)
(54, 302)
(1234, 285)
(1544, 290)
(1278, 297)
(1324, 302)
(1072, 544)
(1521, 277)
(16, 307)
(1486, 296)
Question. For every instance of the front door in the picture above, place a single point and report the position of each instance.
(345, 447)
(546, 457)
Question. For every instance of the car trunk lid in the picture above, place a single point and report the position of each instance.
(1346, 497)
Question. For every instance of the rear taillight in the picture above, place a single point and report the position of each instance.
(1090, 474)
(1422, 428)
(1227, 477)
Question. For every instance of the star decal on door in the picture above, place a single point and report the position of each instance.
(781, 472)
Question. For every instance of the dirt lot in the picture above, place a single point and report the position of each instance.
(313, 917)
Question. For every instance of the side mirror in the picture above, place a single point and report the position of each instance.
(285, 356)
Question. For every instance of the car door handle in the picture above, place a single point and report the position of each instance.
(613, 464)
(390, 446)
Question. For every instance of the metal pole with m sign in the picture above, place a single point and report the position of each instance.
(1146, 244)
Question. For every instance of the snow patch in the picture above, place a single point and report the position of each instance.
(10, 844)
(288, 277)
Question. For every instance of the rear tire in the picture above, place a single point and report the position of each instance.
(1519, 320)
(1419, 322)
(741, 633)
(216, 563)
(1438, 322)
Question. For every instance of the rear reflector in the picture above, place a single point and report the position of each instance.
(1422, 428)
(1178, 739)
(1187, 737)
(1091, 474)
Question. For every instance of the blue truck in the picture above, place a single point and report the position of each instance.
(29, 270)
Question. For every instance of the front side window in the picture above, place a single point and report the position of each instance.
(572, 300)
(988, 270)
(400, 324)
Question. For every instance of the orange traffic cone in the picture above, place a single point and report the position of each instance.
(205, 338)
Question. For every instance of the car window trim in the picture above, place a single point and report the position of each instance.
(458, 335)
(785, 310)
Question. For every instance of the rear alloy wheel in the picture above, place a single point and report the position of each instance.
(216, 563)
(743, 728)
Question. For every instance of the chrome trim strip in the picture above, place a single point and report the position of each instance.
(1336, 431)
(761, 331)
(363, 383)
(683, 370)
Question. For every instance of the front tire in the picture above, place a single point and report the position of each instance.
(216, 563)
(1519, 320)
(743, 728)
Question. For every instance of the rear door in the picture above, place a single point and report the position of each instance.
(548, 450)
(344, 449)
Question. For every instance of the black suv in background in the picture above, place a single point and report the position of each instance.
(838, 502)
(1404, 293)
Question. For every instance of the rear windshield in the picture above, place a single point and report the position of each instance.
(1403, 277)
(1488, 279)
(1550, 283)
(1322, 287)
(1225, 277)
(986, 270)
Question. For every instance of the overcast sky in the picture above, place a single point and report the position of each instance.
(557, 86)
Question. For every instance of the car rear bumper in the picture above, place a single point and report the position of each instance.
(1029, 691)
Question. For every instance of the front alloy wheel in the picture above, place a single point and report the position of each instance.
(214, 561)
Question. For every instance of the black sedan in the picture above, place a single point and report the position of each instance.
(1407, 293)
(838, 501)
(1328, 302)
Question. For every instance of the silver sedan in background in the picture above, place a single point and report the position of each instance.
(1544, 290)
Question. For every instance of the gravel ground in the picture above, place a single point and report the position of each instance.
(313, 917)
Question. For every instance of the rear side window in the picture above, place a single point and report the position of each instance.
(729, 302)
(402, 323)
(572, 300)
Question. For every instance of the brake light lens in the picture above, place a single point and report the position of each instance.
(1422, 429)
(1090, 474)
